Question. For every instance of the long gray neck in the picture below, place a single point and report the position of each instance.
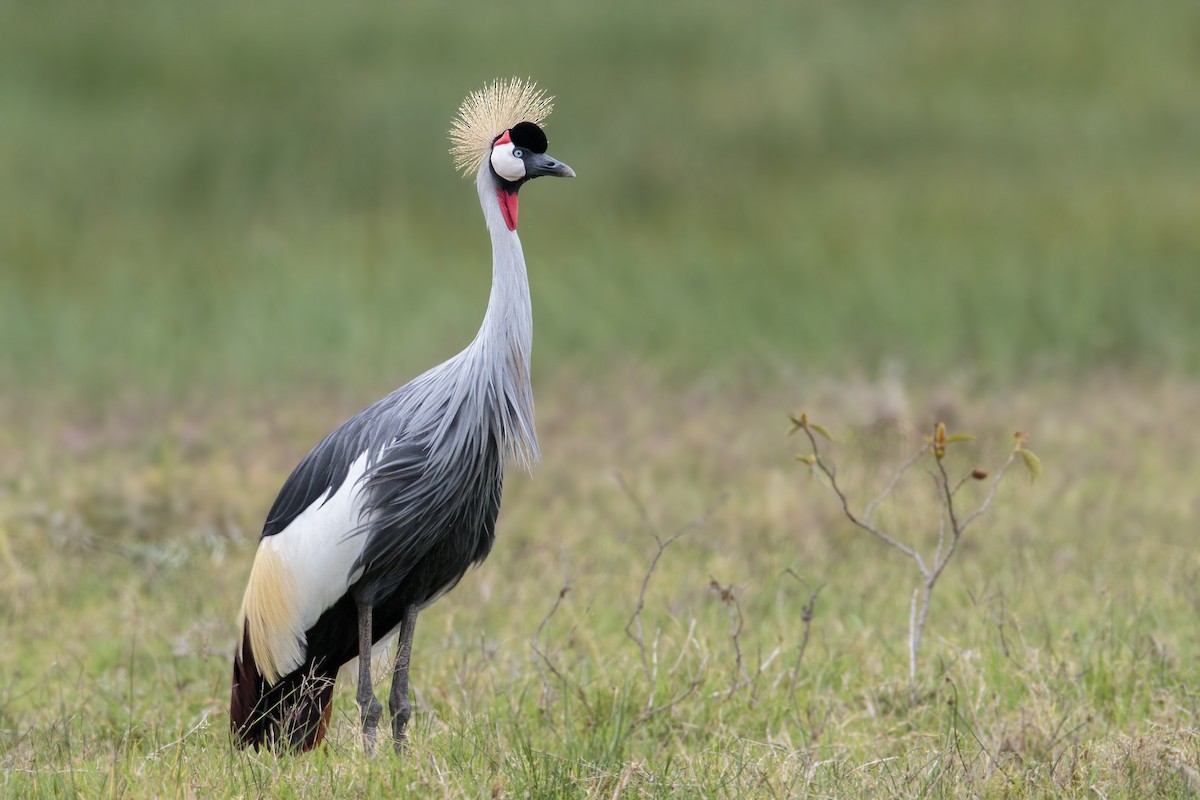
(500, 354)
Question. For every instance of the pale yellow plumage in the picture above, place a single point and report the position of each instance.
(270, 615)
(488, 112)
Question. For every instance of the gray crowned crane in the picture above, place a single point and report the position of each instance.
(389, 511)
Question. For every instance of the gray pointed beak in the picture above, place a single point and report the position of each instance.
(538, 164)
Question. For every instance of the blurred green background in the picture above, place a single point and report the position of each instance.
(248, 194)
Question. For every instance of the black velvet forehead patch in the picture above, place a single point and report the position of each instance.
(529, 136)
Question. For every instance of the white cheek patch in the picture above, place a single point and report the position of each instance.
(507, 165)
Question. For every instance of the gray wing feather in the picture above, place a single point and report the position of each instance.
(431, 489)
(432, 510)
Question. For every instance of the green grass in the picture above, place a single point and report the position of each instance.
(1060, 658)
(237, 194)
(227, 226)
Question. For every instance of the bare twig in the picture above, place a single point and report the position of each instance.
(736, 620)
(941, 542)
(861, 522)
(914, 638)
(991, 495)
(542, 657)
(566, 587)
(566, 682)
(633, 628)
(891, 487)
(948, 496)
(959, 527)
(806, 618)
(950, 524)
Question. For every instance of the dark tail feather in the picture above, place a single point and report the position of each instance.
(291, 715)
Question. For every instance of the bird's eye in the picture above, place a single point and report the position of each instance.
(519, 153)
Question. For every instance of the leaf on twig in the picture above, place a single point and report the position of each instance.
(1032, 463)
(821, 430)
(798, 423)
(940, 440)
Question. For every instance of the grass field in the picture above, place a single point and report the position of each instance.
(1060, 659)
(228, 226)
(268, 197)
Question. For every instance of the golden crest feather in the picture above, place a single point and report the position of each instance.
(489, 111)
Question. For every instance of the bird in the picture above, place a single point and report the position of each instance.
(388, 512)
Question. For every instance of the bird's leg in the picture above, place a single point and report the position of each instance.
(398, 702)
(369, 707)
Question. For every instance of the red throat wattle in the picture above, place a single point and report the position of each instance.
(508, 207)
(508, 202)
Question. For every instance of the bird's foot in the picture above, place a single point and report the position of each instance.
(370, 711)
(399, 736)
(401, 712)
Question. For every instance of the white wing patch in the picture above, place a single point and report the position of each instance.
(300, 572)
